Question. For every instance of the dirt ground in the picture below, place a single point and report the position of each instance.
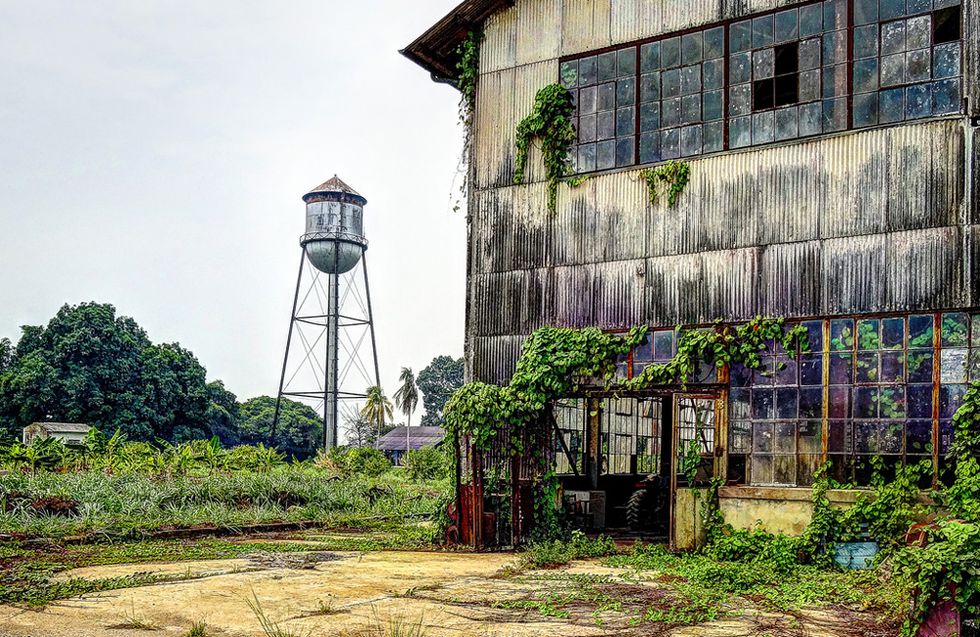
(375, 594)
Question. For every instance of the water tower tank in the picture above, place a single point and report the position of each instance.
(334, 239)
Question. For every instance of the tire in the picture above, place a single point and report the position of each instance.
(637, 510)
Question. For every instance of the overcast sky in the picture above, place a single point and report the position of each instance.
(154, 155)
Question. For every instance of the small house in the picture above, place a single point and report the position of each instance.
(397, 442)
(70, 433)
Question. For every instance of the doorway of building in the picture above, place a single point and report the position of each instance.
(620, 459)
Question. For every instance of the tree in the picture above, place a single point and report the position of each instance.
(438, 381)
(407, 399)
(222, 414)
(89, 365)
(361, 432)
(377, 408)
(6, 354)
(299, 431)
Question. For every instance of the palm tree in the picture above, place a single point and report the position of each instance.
(377, 409)
(407, 399)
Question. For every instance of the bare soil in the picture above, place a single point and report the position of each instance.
(372, 594)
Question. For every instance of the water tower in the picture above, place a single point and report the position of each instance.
(331, 315)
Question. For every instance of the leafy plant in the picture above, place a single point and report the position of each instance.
(550, 122)
(672, 176)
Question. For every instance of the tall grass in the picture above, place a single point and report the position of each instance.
(131, 504)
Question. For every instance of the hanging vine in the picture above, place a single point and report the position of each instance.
(468, 75)
(672, 176)
(550, 122)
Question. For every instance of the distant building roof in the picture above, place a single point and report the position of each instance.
(436, 49)
(395, 439)
(62, 427)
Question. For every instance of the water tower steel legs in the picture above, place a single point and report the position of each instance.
(330, 317)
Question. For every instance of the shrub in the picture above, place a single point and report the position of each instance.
(427, 463)
(360, 461)
(554, 553)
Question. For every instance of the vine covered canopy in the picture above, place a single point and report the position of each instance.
(555, 362)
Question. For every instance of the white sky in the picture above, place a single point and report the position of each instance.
(154, 153)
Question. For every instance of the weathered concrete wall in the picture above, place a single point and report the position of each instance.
(777, 510)
(859, 222)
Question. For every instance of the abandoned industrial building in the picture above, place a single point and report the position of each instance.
(831, 147)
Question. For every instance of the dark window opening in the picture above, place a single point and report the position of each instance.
(784, 88)
(946, 25)
(788, 58)
(787, 89)
(763, 95)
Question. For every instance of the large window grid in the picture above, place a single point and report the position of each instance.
(796, 72)
(884, 387)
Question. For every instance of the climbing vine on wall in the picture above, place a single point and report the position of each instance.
(672, 177)
(550, 123)
(468, 70)
(555, 362)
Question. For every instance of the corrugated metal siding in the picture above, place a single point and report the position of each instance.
(898, 178)
(861, 222)
(499, 48)
(971, 60)
(925, 270)
(538, 30)
(495, 357)
(853, 273)
(789, 276)
(619, 293)
(584, 25)
(573, 292)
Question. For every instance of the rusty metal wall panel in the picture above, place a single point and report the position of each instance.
(584, 25)
(619, 294)
(507, 303)
(674, 285)
(620, 213)
(573, 225)
(499, 48)
(971, 57)
(730, 285)
(853, 274)
(925, 179)
(572, 291)
(926, 270)
(973, 265)
(531, 227)
(493, 130)
(789, 280)
(495, 358)
(538, 30)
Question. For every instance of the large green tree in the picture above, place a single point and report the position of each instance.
(438, 381)
(299, 431)
(223, 414)
(90, 365)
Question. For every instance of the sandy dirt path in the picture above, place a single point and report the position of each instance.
(346, 595)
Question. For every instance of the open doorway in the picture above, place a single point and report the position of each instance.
(620, 459)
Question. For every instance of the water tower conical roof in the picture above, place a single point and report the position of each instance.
(333, 185)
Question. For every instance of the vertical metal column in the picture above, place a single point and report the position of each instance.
(289, 340)
(331, 387)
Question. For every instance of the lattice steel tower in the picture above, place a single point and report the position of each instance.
(331, 315)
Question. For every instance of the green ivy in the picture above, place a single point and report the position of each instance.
(674, 176)
(468, 73)
(550, 122)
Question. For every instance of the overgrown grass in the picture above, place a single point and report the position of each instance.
(133, 505)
